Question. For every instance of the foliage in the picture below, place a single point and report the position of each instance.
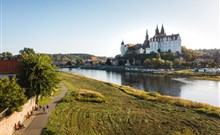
(158, 56)
(89, 96)
(27, 50)
(169, 56)
(70, 96)
(74, 59)
(176, 62)
(156, 62)
(39, 76)
(108, 62)
(147, 62)
(6, 55)
(11, 95)
(189, 54)
(46, 99)
(168, 63)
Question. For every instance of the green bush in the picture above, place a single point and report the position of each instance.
(69, 97)
(89, 96)
(11, 95)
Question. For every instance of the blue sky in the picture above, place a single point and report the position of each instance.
(98, 26)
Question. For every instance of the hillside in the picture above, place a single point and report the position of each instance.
(122, 110)
(74, 57)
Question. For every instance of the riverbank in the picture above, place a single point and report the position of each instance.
(128, 111)
(180, 73)
(188, 73)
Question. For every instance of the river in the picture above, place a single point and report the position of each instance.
(203, 91)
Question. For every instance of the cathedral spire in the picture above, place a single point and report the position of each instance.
(122, 43)
(162, 32)
(157, 31)
(146, 35)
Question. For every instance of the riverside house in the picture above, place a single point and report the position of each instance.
(9, 67)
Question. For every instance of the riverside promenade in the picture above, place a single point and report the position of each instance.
(35, 124)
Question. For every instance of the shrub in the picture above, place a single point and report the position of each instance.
(11, 95)
(89, 96)
(69, 97)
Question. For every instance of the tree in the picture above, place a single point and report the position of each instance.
(168, 63)
(39, 76)
(188, 57)
(158, 50)
(147, 62)
(11, 95)
(6, 55)
(27, 50)
(157, 62)
(176, 62)
(108, 62)
(183, 49)
(169, 51)
(158, 56)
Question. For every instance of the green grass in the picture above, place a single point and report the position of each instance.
(46, 99)
(128, 111)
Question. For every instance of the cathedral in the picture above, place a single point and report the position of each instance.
(159, 42)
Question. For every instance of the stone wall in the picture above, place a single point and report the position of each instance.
(7, 124)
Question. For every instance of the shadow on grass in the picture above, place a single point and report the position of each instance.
(46, 131)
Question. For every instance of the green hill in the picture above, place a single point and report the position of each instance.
(127, 111)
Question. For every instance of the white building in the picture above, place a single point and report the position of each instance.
(123, 48)
(159, 42)
(165, 43)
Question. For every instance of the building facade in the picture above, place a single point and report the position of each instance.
(160, 42)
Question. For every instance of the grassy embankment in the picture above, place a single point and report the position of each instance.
(188, 73)
(114, 109)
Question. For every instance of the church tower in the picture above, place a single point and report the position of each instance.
(146, 41)
(122, 43)
(147, 37)
(162, 32)
(157, 31)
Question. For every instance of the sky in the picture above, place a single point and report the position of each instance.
(98, 26)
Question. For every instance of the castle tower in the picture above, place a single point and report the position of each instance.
(123, 48)
(157, 31)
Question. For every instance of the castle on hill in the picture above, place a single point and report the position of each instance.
(159, 42)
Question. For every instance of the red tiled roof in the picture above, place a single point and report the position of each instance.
(130, 45)
(10, 66)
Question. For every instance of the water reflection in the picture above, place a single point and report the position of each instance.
(196, 90)
(152, 83)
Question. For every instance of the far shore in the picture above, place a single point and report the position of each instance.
(177, 73)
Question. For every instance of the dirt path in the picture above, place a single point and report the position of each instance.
(35, 125)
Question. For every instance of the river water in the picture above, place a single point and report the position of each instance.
(197, 90)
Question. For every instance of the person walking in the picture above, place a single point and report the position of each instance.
(44, 108)
(47, 108)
